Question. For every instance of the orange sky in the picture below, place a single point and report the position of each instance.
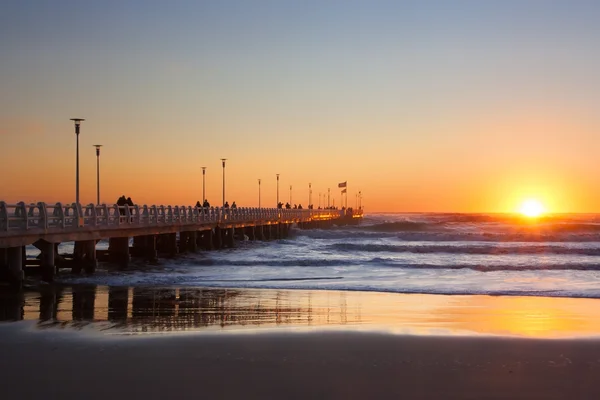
(422, 108)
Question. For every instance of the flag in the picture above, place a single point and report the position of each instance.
(343, 184)
(344, 191)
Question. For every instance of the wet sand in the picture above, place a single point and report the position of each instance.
(96, 342)
(336, 365)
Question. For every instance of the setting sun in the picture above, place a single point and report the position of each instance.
(532, 208)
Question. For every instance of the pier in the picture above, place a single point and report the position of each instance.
(157, 231)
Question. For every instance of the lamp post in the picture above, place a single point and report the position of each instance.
(259, 193)
(277, 190)
(319, 199)
(223, 160)
(77, 122)
(97, 146)
(328, 193)
(290, 195)
(309, 194)
(203, 185)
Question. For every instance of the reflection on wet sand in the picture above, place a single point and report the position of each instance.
(143, 309)
(168, 309)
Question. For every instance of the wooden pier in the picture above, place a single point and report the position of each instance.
(156, 231)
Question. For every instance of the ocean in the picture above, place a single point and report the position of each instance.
(451, 254)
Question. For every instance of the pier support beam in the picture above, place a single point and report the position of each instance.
(183, 241)
(240, 234)
(172, 248)
(258, 233)
(150, 253)
(90, 261)
(139, 246)
(250, 231)
(3, 261)
(205, 239)
(187, 241)
(15, 265)
(218, 238)
(167, 244)
(268, 231)
(48, 266)
(192, 244)
(118, 251)
(229, 237)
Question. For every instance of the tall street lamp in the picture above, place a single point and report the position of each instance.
(97, 146)
(290, 195)
(223, 160)
(77, 122)
(277, 190)
(203, 185)
(328, 192)
(259, 193)
(309, 194)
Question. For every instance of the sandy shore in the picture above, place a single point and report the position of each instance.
(338, 365)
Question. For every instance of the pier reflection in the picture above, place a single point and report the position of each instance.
(146, 309)
(171, 309)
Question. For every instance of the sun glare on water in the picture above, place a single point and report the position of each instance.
(532, 208)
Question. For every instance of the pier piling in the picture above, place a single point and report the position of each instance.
(15, 265)
(118, 251)
(47, 260)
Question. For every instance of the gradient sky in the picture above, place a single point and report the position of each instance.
(462, 106)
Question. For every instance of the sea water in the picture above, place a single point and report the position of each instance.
(557, 255)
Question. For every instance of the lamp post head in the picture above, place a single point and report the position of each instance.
(203, 170)
(259, 181)
(277, 176)
(223, 160)
(77, 124)
(97, 146)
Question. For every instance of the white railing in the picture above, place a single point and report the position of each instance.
(15, 218)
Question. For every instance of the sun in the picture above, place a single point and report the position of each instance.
(532, 208)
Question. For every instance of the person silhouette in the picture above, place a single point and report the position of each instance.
(226, 205)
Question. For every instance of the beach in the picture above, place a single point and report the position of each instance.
(335, 365)
(200, 342)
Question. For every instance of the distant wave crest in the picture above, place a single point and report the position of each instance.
(462, 249)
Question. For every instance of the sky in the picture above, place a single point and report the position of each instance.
(461, 106)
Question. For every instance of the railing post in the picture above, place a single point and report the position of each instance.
(105, 212)
(21, 213)
(155, 212)
(59, 212)
(138, 217)
(116, 214)
(43, 221)
(3, 217)
(127, 214)
(169, 215)
(145, 217)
